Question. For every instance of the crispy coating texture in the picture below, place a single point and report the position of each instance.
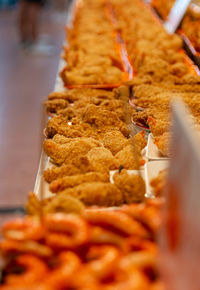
(103, 120)
(98, 62)
(127, 159)
(74, 180)
(92, 121)
(102, 157)
(55, 172)
(96, 193)
(73, 149)
(132, 186)
(114, 141)
(130, 156)
(60, 125)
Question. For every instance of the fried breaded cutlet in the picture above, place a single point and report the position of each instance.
(92, 121)
(74, 180)
(60, 125)
(114, 141)
(131, 185)
(74, 167)
(127, 156)
(96, 193)
(103, 120)
(66, 103)
(102, 157)
(75, 148)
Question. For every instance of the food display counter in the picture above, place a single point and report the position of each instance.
(94, 215)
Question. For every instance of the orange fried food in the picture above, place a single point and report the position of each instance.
(65, 152)
(114, 141)
(60, 125)
(74, 180)
(34, 270)
(130, 155)
(117, 221)
(96, 193)
(59, 224)
(132, 186)
(102, 157)
(74, 167)
(103, 120)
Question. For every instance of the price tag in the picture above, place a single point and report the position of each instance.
(180, 234)
(176, 15)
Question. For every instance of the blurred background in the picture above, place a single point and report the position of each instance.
(27, 75)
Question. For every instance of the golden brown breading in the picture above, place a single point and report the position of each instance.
(53, 106)
(131, 185)
(103, 120)
(102, 157)
(74, 180)
(59, 125)
(96, 193)
(114, 141)
(127, 159)
(74, 149)
(82, 98)
(55, 172)
(126, 156)
(60, 139)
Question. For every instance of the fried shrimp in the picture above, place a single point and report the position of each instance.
(65, 231)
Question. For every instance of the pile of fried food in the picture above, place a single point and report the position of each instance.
(94, 250)
(87, 140)
(163, 71)
(191, 21)
(92, 54)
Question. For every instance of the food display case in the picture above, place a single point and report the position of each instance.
(94, 216)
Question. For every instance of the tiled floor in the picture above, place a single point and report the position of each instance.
(25, 81)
